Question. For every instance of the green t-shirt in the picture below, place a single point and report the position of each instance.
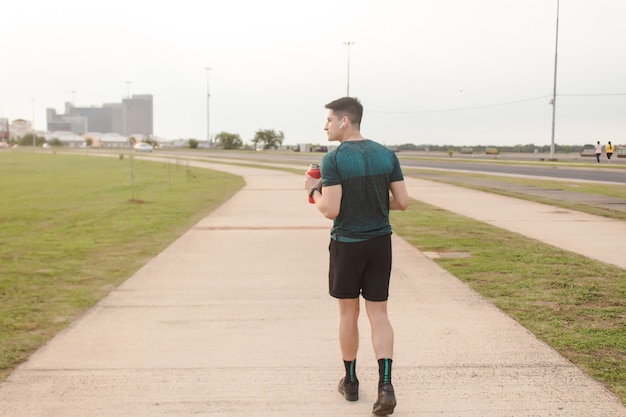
(365, 169)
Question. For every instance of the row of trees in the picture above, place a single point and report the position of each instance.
(271, 139)
(29, 139)
(265, 138)
(527, 148)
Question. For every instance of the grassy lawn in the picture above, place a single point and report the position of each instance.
(517, 187)
(575, 304)
(75, 227)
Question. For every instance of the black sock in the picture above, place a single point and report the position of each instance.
(350, 370)
(384, 371)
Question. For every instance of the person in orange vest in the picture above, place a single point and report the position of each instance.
(609, 149)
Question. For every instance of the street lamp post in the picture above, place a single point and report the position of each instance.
(208, 99)
(32, 125)
(556, 49)
(348, 77)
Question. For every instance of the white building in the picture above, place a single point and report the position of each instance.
(69, 139)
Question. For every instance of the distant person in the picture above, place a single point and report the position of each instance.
(598, 150)
(361, 181)
(610, 149)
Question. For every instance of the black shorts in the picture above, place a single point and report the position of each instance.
(360, 268)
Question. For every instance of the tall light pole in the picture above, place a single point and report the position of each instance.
(208, 99)
(128, 89)
(556, 49)
(348, 78)
(32, 125)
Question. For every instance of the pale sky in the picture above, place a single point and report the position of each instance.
(457, 72)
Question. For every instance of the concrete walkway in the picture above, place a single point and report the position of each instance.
(233, 319)
(596, 237)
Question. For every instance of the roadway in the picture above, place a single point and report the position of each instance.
(505, 164)
(589, 173)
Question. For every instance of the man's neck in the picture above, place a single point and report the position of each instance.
(352, 137)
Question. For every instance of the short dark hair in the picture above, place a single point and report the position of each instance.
(347, 106)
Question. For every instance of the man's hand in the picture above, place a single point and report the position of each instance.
(310, 182)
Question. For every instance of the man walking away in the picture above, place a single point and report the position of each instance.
(361, 181)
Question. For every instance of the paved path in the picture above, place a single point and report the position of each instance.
(233, 319)
(549, 190)
(592, 236)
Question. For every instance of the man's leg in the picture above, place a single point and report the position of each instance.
(349, 327)
(349, 343)
(382, 332)
(382, 339)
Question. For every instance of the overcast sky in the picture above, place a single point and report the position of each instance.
(460, 72)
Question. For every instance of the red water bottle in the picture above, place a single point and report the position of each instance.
(314, 171)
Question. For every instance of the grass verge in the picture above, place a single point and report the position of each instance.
(575, 304)
(525, 188)
(71, 234)
(73, 228)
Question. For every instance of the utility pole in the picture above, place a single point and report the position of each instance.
(348, 78)
(208, 100)
(556, 49)
(32, 125)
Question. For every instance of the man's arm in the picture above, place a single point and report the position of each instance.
(329, 201)
(399, 198)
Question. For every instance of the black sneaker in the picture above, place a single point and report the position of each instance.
(386, 400)
(350, 390)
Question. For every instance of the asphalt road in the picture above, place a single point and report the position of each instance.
(441, 168)
(599, 174)
(588, 170)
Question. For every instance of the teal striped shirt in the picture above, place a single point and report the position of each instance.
(364, 169)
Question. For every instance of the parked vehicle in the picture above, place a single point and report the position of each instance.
(143, 147)
(588, 150)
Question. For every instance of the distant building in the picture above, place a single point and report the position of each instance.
(133, 114)
(114, 140)
(137, 113)
(20, 128)
(69, 139)
(4, 129)
(107, 140)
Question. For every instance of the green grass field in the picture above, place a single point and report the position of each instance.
(575, 304)
(75, 227)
